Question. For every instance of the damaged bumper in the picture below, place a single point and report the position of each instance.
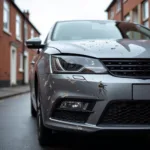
(114, 103)
(89, 128)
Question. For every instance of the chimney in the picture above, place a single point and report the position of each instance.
(27, 14)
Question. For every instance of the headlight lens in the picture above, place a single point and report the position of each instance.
(76, 64)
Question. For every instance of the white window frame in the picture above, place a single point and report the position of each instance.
(111, 14)
(21, 62)
(18, 20)
(32, 33)
(25, 32)
(118, 5)
(126, 18)
(144, 23)
(6, 8)
(143, 10)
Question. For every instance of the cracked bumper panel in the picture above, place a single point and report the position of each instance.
(89, 128)
(101, 89)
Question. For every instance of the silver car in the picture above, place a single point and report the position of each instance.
(90, 76)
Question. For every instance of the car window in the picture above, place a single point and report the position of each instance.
(134, 31)
(48, 35)
(82, 30)
(45, 42)
(85, 30)
(136, 35)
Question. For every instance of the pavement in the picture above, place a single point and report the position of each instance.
(18, 131)
(13, 91)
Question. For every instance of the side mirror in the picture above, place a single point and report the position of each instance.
(34, 43)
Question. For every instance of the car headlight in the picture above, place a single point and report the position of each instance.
(77, 64)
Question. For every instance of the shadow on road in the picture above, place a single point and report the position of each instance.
(69, 141)
(76, 142)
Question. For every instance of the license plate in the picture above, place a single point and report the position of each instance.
(141, 92)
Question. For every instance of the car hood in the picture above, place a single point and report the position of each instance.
(123, 48)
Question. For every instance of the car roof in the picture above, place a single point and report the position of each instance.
(87, 20)
(102, 21)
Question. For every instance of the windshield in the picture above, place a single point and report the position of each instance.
(85, 30)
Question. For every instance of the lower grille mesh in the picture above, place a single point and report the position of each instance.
(127, 113)
(78, 117)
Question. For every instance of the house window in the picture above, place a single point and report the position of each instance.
(18, 27)
(111, 14)
(6, 16)
(127, 18)
(21, 63)
(145, 10)
(118, 5)
(32, 33)
(25, 32)
(146, 24)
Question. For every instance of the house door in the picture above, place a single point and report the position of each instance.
(26, 68)
(13, 66)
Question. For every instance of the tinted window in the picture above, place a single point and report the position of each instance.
(82, 30)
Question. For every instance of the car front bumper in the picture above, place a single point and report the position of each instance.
(101, 89)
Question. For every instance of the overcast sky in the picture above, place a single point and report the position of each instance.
(43, 13)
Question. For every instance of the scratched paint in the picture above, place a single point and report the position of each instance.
(46, 82)
(65, 95)
(53, 101)
(50, 86)
(71, 80)
(49, 97)
(102, 88)
(79, 128)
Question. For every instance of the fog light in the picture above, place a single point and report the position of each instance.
(72, 105)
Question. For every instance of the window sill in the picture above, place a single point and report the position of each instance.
(118, 11)
(21, 70)
(125, 1)
(111, 18)
(7, 32)
(18, 39)
(146, 19)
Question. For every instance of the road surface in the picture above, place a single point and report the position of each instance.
(18, 132)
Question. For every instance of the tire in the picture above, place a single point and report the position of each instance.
(44, 134)
(33, 111)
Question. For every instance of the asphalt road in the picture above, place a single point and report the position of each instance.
(18, 132)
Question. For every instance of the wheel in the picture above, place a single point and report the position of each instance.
(44, 134)
(33, 111)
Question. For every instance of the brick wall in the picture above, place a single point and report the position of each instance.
(5, 44)
(129, 5)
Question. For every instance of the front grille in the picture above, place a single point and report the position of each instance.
(79, 117)
(127, 113)
(137, 68)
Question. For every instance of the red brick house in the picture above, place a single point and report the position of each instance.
(130, 10)
(15, 28)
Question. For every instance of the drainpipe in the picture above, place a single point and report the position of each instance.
(122, 11)
(23, 34)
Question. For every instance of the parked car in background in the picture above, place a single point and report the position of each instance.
(89, 76)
